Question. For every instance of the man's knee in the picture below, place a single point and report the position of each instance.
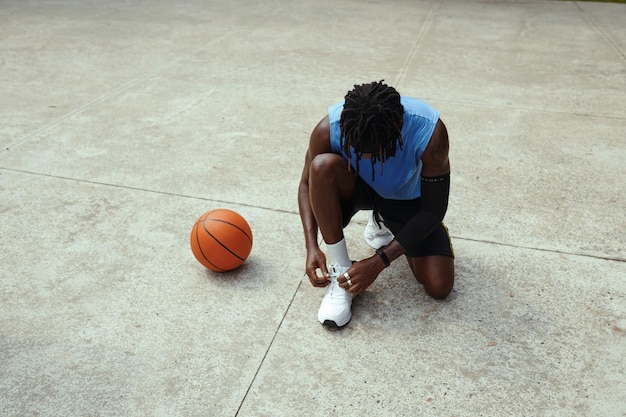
(440, 287)
(436, 273)
(325, 164)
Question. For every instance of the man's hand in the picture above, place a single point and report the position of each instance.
(316, 260)
(361, 274)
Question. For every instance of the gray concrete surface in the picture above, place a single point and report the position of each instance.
(121, 122)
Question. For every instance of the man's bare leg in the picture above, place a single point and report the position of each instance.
(436, 273)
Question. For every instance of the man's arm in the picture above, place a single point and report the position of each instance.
(319, 143)
(435, 189)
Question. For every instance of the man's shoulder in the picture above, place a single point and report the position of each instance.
(322, 129)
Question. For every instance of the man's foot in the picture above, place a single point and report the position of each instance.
(335, 308)
(376, 236)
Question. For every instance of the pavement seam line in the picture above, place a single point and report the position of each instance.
(145, 190)
(418, 42)
(524, 109)
(104, 184)
(243, 400)
(111, 93)
(511, 245)
(598, 28)
(116, 90)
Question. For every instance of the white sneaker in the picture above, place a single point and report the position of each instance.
(375, 236)
(335, 308)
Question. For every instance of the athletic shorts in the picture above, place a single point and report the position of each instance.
(395, 214)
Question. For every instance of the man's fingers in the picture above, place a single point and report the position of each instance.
(317, 278)
(323, 270)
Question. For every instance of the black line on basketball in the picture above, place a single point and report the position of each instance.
(232, 224)
(200, 247)
(221, 244)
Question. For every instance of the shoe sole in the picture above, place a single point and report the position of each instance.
(332, 324)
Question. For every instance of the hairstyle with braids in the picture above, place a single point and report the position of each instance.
(371, 122)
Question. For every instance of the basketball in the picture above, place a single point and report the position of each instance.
(221, 240)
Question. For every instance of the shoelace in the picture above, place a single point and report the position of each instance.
(336, 292)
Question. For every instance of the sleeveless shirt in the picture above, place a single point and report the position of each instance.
(401, 177)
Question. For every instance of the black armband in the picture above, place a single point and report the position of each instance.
(383, 256)
(433, 207)
(433, 180)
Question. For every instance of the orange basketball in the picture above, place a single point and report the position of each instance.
(221, 240)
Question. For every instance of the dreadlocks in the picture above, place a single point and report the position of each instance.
(371, 122)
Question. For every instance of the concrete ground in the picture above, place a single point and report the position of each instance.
(122, 122)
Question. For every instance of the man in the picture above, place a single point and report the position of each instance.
(388, 153)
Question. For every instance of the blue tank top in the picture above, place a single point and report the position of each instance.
(401, 179)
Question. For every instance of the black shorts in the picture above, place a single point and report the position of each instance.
(395, 214)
